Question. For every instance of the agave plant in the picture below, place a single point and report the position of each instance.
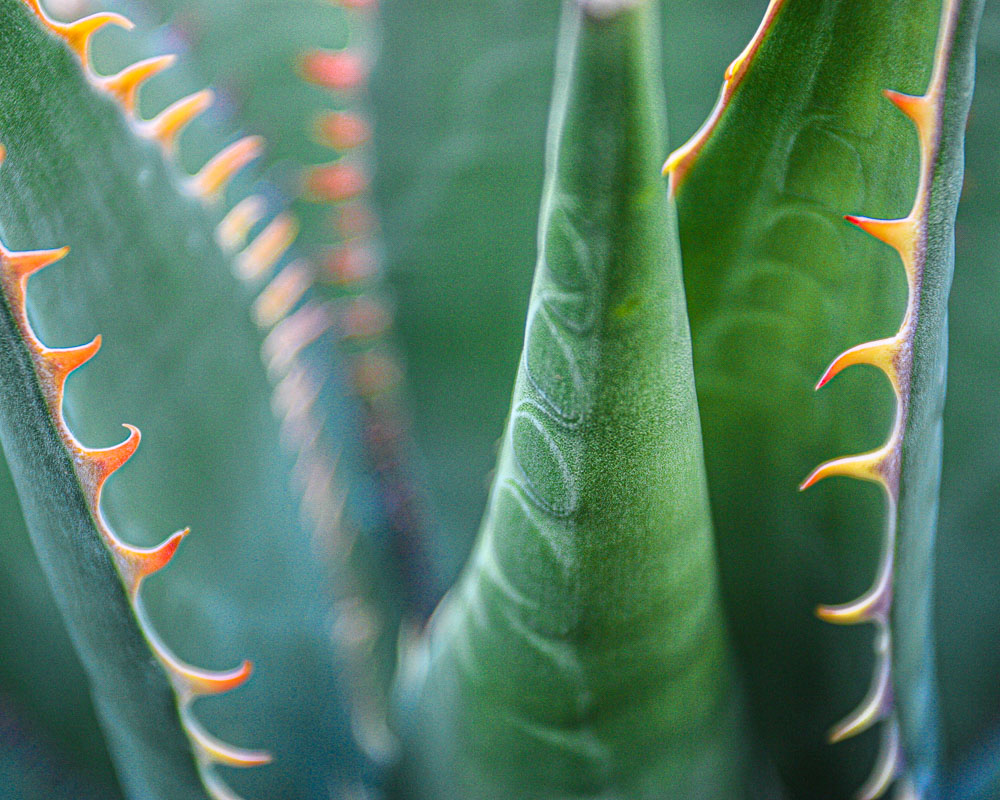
(645, 611)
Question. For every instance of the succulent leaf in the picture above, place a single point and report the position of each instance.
(319, 299)
(85, 561)
(50, 699)
(598, 664)
(967, 607)
(770, 236)
(144, 259)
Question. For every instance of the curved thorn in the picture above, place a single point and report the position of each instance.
(334, 183)
(166, 126)
(126, 84)
(355, 219)
(136, 564)
(342, 130)
(60, 363)
(900, 234)
(351, 264)
(292, 334)
(919, 108)
(375, 374)
(877, 703)
(232, 232)
(216, 788)
(216, 751)
(25, 264)
(265, 251)
(881, 353)
(77, 34)
(873, 606)
(282, 293)
(863, 467)
(193, 682)
(886, 766)
(99, 465)
(365, 318)
(213, 178)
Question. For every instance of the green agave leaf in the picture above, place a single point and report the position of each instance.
(344, 383)
(583, 651)
(181, 360)
(276, 66)
(298, 77)
(967, 604)
(460, 114)
(39, 670)
(799, 137)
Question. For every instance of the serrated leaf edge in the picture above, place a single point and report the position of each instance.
(894, 356)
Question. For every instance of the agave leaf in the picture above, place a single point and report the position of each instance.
(144, 701)
(802, 135)
(583, 652)
(968, 605)
(299, 78)
(338, 395)
(460, 116)
(182, 361)
(39, 670)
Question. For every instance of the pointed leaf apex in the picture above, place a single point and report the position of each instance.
(607, 9)
(682, 159)
(215, 176)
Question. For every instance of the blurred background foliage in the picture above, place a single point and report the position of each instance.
(458, 99)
